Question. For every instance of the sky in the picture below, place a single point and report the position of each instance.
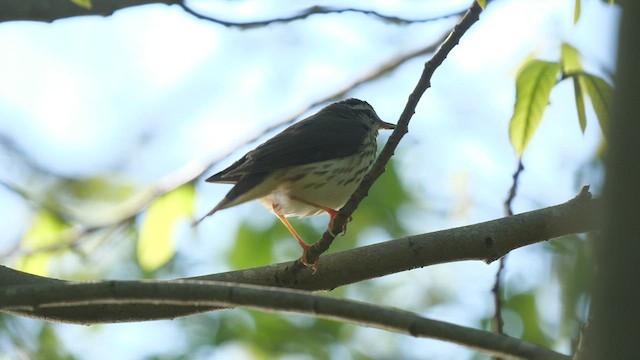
(150, 89)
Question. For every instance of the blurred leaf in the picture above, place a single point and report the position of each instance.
(50, 347)
(99, 188)
(601, 94)
(533, 89)
(85, 4)
(381, 206)
(525, 306)
(582, 116)
(576, 12)
(253, 247)
(482, 3)
(155, 243)
(570, 60)
(573, 266)
(46, 231)
(272, 336)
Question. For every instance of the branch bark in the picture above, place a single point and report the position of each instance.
(50, 10)
(485, 241)
(219, 294)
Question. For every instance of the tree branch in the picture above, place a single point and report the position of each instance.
(50, 10)
(402, 127)
(484, 241)
(313, 10)
(219, 294)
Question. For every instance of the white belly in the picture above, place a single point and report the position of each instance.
(328, 184)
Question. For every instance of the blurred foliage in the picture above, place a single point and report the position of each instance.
(157, 230)
(101, 189)
(44, 240)
(50, 346)
(573, 265)
(524, 306)
(265, 335)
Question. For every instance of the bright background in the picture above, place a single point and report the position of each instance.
(136, 96)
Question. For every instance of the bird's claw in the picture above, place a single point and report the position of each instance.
(304, 262)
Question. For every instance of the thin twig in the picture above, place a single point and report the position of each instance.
(497, 322)
(313, 10)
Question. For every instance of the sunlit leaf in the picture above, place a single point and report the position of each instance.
(155, 243)
(582, 116)
(601, 94)
(570, 60)
(85, 4)
(576, 12)
(535, 81)
(40, 241)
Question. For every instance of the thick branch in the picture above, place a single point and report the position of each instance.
(485, 241)
(50, 10)
(216, 294)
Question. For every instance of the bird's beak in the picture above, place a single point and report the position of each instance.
(386, 125)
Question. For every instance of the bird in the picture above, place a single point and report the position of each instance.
(311, 167)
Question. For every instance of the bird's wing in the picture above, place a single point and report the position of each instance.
(308, 141)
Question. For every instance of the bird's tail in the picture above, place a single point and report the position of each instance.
(196, 223)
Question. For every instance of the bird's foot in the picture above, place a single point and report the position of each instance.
(343, 231)
(304, 261)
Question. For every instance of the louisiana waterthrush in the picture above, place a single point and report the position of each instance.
(311, 167)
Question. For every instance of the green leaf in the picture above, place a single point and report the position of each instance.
(85, 4)
(253, 246)
(570, 59)
(576, 12)
(582, 116)
(601, 94)
(46, 231)
(535, 81)
(155, 243)
(524, 305)
(482, 3)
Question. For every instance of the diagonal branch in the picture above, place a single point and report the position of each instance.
(221, 294)
(484, 241)
(472, 15)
